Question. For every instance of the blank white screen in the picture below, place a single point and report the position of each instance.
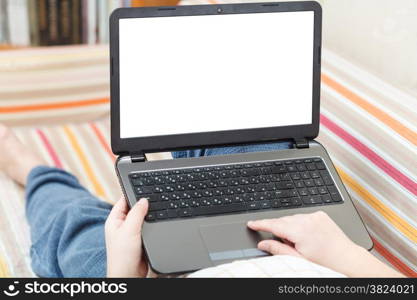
(212, 73)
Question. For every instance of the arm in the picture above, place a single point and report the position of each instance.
(317, 238)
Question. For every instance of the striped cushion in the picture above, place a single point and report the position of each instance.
(367, 126)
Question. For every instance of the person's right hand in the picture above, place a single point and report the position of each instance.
(317, 238)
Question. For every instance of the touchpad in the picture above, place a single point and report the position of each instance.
(232, 241)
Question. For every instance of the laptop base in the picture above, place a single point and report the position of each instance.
(184, 245)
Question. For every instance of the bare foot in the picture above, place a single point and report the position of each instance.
(16, 160)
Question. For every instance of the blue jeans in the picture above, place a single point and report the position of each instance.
(67, 222)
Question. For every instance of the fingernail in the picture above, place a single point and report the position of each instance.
(262, 246)
(142, 200)
(250, 223)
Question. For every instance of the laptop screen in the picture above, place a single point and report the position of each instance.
(193, 74)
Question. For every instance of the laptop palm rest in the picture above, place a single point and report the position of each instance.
(230, 241)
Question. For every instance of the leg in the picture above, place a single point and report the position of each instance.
(233, 149)
(66, 224)
(66, 221)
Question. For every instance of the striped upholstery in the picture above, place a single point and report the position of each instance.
(370, 131)
(77, 89)
(56, 100)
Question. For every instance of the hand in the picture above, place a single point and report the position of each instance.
(317, 238)
(123, 228)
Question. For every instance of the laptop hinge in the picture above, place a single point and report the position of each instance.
(137, 158)
(301, 143)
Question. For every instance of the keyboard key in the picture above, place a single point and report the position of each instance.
(261, 188)
(248, 197)
(285, 200)
(137, 182)
(276, 203)
(163, 214)
(150, 216)
(260, 196)
(210, 210)
(291, 168)
(254, 205)
(311, 200)
(299, 184)
(285, 177)
(194, 203)
(322, 190)
(164, 197)
(334, 193)
(157, 189)
(295, 176)
(159, 180)
(286, 204)
(311, 166)
(187, 212)
(326, 198)
(278, 169)
(237, 199)
(301, 167)
(309, 183)
(275, 178)
(269, 195)
(318, 182)
(265, 204)
(153, 197)
(327, 180)
(158, 206)
(284, 185)
(266, 171)
(314, 174)
(142, 190)
(303, 192)
(296, 201)
(292, 193)
(148, 181)
(183, 203)
(336, 197)
(173, 205)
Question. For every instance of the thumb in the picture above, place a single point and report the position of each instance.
(135, 217)
(277, 248)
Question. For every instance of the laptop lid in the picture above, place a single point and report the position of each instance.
(206, 75)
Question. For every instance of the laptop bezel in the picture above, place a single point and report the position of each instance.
(140, 145)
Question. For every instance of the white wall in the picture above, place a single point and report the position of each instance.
(380, 35)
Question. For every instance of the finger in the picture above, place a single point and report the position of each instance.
(136, 216)
(277, 248)
(278, 227)
(117, 214)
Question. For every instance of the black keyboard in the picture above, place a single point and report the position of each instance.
(235, 188)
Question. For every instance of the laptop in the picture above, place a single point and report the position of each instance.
(204, 76)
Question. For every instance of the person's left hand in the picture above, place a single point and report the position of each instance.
(125, 257)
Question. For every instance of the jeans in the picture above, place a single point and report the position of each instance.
(67, 221)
